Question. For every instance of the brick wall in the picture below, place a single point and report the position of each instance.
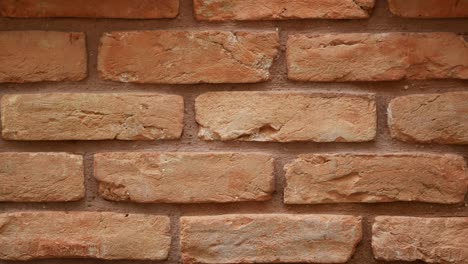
(229, 131)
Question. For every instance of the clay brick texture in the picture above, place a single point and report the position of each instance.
(233, 131)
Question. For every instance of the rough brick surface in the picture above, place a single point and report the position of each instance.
(37, 235)
(41, 177)
(35, 56)
(430, 118)
(83, 116)
(345, 178)
(429, 8)
(286, 116)
(187, 57)
(220, 10)
(184, 177)
(376, 57)
(433, 240)
(90, 8)
(276, 238)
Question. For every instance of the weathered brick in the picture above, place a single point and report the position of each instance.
(90, 8)
(92, 116)
(187, 57)
(35, 56)
(286, 116)
(429, 8)
(430, 118)
(274, 238)
(433, 240)
(370, 178)
(376, 57)
(41, 177)
(39, 235)
(184, 177)
(221, 10)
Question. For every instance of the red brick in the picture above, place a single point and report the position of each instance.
(184, 177)
(286, 116)
(429, 8)
(222, 10)
(36, 56)
(432, 240)
(274, 238)
(371, 178)
(376, 57)
(187, 57)
(41, 177)
(90, 8)
(430, 118)
(112, 236)
(92, 116)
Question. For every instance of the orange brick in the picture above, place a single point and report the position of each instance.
(36, 56)
(187, 57)
(90, 8)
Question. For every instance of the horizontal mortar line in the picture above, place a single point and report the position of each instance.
(372, 210)
(326, 26)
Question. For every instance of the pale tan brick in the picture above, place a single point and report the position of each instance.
(187, 57)
(36, 56)
(430, 118)
(112, 236)
(429, 8)
(376, 57)
(41, 177)
(275, 238)
(222, 10)
(432, 240)
(90, 8)
(184, 177)
(92, 116)
(286, 116)
(371, 178)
